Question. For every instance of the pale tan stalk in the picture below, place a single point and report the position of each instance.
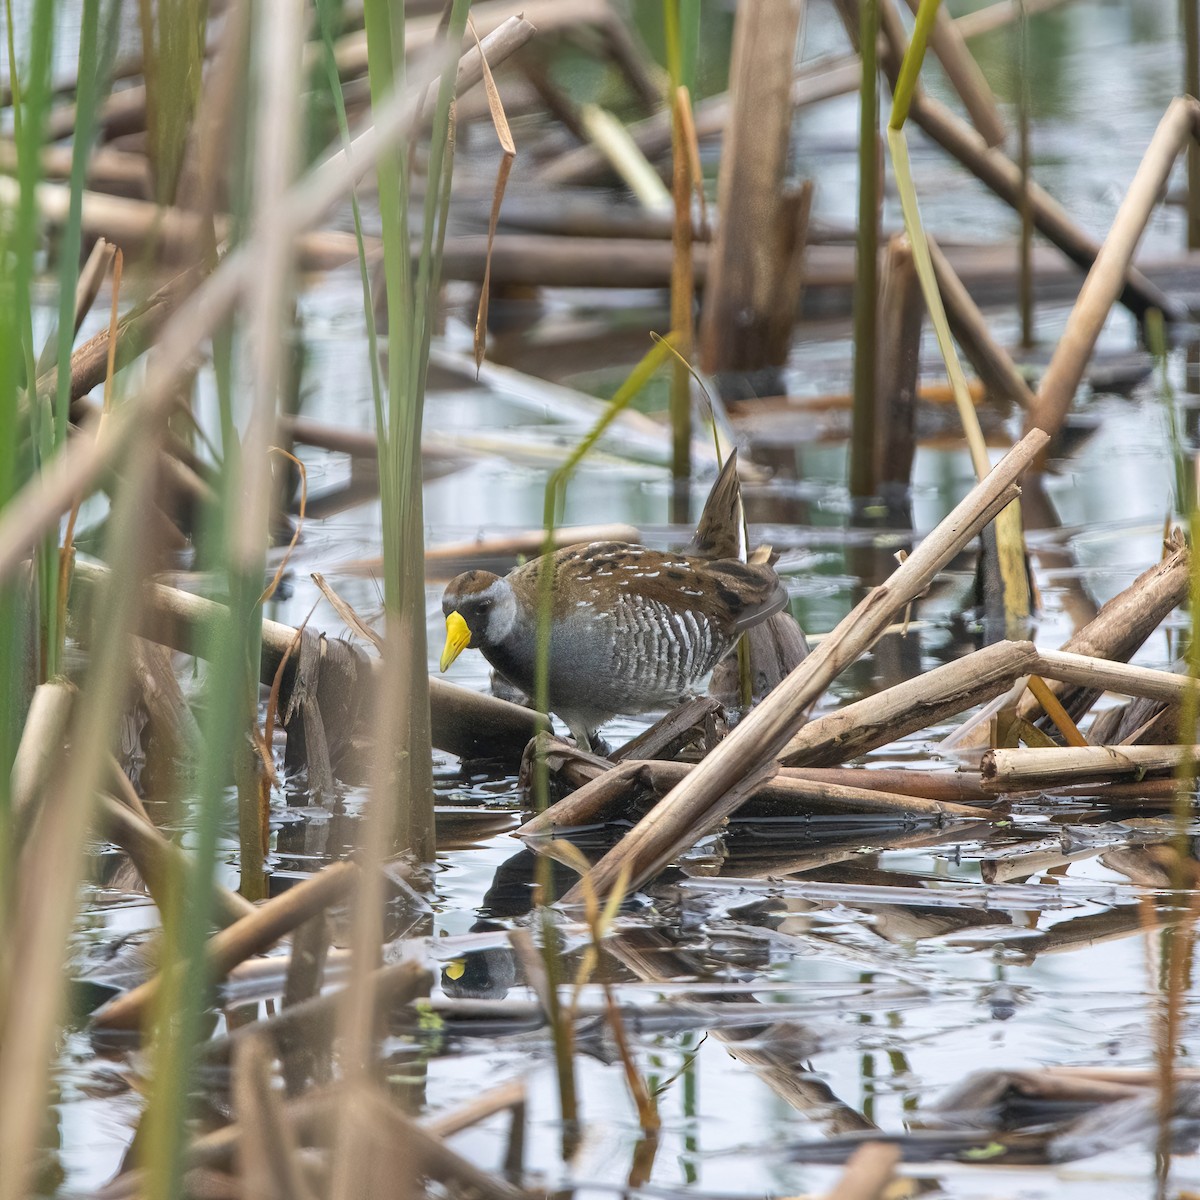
(1109, 273)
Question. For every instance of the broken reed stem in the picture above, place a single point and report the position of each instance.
(1117, 630)
(268, 1159)
(432, 1156)
(901, 314)
(39, 751)
(704, 799)
(1027, 768)
(1086, 671)
(309, 1116)
(908, 707)
(251, 935)
(1055, 711)
(1108, 275)
(790, 793)
(751, 264)
(155, 858)
(868, 1173)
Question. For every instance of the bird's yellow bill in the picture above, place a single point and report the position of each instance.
(456, 968)
(458, 638)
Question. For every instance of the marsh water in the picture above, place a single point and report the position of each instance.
(803, 980)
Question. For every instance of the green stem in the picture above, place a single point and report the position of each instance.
(910, 68)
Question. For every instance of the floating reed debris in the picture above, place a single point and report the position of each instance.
(251, 935)
(785, 795)
(726, 776)
(1026, 769)
(910, 706)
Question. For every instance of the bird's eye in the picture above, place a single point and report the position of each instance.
(484, 606)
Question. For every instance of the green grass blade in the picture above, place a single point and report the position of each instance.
(910, 69)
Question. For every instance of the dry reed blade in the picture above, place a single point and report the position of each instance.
(509, 149)
(345, 610)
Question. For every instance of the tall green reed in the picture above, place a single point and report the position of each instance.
(233, 541)
(19, 239)
(411, 311)
(560, 1023)
(174, 34)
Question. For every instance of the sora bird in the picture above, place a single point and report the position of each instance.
(631, 629)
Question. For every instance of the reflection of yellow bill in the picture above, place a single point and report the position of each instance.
(456, 968)
(458, 638)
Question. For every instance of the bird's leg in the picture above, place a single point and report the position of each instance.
(582, 736)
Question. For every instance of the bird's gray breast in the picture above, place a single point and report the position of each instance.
(640, 654)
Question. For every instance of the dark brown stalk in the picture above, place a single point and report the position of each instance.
(991, 361)
(946, 40)
(901, 313)
(683, 300)
(743, 284)
(864, 454)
